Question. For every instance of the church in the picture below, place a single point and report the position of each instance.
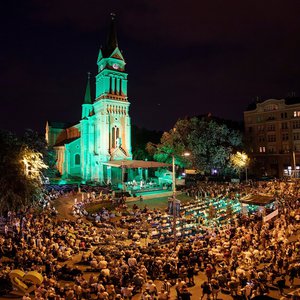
(104, 132)
(98, 147)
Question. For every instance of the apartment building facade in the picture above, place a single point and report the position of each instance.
(272, 132)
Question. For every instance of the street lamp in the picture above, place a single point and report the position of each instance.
(241, 160)
(174, 200)
(186, 154)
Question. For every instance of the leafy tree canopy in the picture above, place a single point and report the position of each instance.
(140, 138)
(19, 159)
(210, 143)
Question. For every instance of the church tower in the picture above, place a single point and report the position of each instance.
(86, 149)
(111, 102)
(87, 105)
(105, 123)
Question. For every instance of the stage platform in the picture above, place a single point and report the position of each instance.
(150, 195)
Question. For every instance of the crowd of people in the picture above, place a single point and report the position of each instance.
(115, 255)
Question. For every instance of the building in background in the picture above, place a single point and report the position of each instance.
(272, 132)
(104, 132)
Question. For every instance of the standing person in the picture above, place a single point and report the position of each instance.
(209, 272)
(127, 292)
(190, 275)
(281, 285)
(293, 273)
(6, 230)
(206, 290)
(280, 264)
(179, 285)
(247, 291)
(215, 289)
(151, 288)
(162, 295)
(233, 286)
(185, 294)
(167, 286)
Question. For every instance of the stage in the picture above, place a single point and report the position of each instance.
(151, 194)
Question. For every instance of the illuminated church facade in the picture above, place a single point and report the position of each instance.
(104, 132)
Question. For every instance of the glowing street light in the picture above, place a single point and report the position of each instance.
(240, 160)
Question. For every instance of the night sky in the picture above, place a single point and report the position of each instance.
(184, 58)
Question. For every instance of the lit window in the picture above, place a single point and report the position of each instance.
(115, 137)
(297, 113)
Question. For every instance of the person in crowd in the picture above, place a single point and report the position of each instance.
(206, 290)
(228, 251)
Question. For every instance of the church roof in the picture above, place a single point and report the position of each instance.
(67, 141)
(60, 125)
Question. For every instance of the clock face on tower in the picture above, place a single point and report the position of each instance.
(116, 66)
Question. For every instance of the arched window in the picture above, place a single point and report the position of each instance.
(115, 133)
(77, 159)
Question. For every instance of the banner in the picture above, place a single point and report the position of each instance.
(271, 215)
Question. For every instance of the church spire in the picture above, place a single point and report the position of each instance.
(112, 41)
(87, 96)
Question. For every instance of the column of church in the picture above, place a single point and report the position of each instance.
(67, 162)
(84, 149)
(102, 142)
(124, 87)
(118, 85)
(91, 144)
(128, 135)
(97, 149)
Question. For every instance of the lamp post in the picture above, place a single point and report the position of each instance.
(173, 176)
(122, 175)
(174, 200)
(245, 163)
(241, 160)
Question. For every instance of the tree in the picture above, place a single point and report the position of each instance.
(170, 145)
(32, 163)
(211, 144)
(50, 160)
(35, 141)
(18, 187)
(140, 138)
(209, 141)
(38, 143)
(239, 161)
